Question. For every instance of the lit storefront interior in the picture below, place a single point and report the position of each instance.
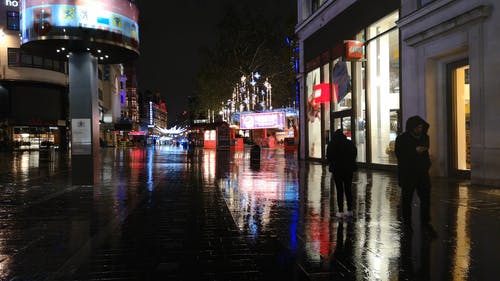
(363, 97)
(383, 88)
(461, 111)
(30, 138)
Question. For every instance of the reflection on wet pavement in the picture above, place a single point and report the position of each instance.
(284, 209)
(269, 204)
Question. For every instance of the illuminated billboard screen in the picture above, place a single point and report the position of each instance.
(111, 23)
(267, 120)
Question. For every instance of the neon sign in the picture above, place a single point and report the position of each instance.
(262, 120)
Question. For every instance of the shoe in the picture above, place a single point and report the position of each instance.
(339, 215)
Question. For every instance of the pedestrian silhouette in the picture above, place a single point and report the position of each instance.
(341, 155)
(271, 144)
(412, 152)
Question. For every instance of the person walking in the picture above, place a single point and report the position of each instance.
(341, 154)
(271, 144)
(412, 153)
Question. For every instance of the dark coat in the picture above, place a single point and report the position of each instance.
(412, 166)
(341, 154)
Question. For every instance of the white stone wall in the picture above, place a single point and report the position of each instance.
(440, 33)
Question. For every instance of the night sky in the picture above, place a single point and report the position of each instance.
(171, 35)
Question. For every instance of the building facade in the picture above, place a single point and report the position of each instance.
(34, 100)
(112, 97)
(33, 91)
(451, 60)
(367, 67)
(153, 117)
(349, 51)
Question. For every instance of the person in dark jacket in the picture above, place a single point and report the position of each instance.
(412, 152)
(341, 155)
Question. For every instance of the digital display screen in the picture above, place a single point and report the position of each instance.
(267, 120)
(112, 22)
(115, 16)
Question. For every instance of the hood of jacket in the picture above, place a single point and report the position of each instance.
(414, 121)
(338, 135)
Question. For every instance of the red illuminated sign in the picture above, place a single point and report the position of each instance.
(322, 93)
(137, 133)
(353, 49)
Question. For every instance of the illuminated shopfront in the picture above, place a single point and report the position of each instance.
(33, 138)
(449, 57)
(363, 79)
(382, 54)
(459, 134)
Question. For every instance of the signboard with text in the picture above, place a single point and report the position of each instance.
(81, 136)
(265, 120)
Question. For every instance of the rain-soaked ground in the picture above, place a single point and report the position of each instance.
(168, 214)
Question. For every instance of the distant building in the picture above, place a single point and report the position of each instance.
(127, 129)
(154, 116)
(112, 97)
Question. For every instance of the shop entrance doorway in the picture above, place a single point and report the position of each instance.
(459, 118)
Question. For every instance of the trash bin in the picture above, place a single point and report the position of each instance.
(255, 157)
(255, 153)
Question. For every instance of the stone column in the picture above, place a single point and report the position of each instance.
(84, 118)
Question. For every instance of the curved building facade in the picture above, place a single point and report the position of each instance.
(33, 91)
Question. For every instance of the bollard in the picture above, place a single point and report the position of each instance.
(255, 157)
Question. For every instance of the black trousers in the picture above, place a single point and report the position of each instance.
(343, 185)
(423, 187)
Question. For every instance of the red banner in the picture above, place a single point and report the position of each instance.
(322, 93)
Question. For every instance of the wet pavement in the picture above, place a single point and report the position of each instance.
(168, 214)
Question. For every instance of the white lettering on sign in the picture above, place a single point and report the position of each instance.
(12, 3)
(356, 49)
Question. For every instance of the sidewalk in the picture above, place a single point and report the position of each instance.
(161, 215)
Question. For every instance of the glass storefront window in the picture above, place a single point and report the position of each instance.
(313, 115)
(359, 86)
(341, 85)
(326, 77)
(360, 111)
(27, 138)
(383, 89)
(385, 24)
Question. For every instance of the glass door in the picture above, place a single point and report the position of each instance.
(459, 99)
